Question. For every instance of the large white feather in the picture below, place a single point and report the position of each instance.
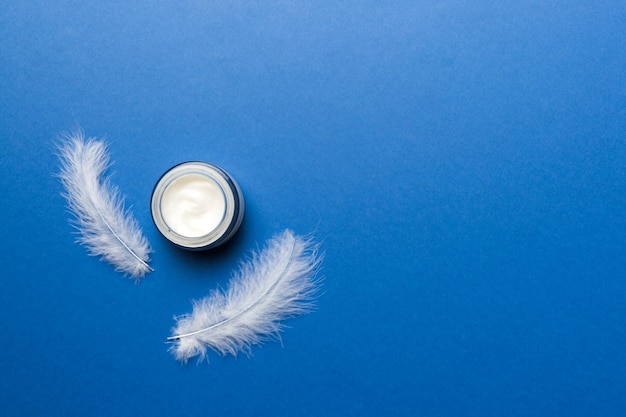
(275, 284)
(106, 228)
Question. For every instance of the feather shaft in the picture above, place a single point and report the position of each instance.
(277, 283)
(119, 239)
(105, 227)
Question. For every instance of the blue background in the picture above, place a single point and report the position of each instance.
(462, 162)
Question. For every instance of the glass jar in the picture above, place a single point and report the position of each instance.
(197, 205)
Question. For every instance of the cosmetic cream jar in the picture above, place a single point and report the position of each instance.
(197, 206)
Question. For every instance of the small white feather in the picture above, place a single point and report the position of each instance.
(277, 283)
(105, 227)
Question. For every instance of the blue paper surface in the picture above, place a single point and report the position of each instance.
(462, 163)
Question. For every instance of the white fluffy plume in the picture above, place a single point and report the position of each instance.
(275, 284)
(105, 227)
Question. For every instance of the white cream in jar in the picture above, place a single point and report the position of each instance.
(197, 205)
